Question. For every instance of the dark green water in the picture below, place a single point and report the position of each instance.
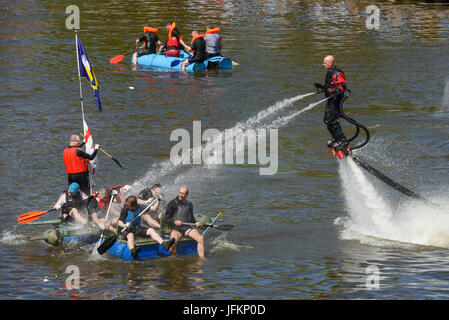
(307, 232)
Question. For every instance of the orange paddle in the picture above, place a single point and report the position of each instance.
(31, 216)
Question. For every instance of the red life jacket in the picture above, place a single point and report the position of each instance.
(73, 163)
(103, 205)
(172, 48)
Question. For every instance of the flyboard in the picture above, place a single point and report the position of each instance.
(347, 152)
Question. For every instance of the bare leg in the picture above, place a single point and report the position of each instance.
(176, 235)
(151, 232)
(195, 235)
(130, 240)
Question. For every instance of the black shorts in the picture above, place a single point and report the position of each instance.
(181, 229)
(144, 51)
(138, 231)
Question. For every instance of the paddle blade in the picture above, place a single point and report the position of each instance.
(30, 216)
(116, 161)
(117, 59)
(224, 227)
(109, 242)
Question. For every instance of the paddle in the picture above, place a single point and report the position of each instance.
(31, 216)
(115, 160)
(107, 154)
(109, 242)
(218, 216)
(222, 227)
(114, 193)
(120, 57)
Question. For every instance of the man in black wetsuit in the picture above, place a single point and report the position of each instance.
(180, 210)
(150, 39)
(334, 87)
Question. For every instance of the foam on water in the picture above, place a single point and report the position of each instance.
(371, 220)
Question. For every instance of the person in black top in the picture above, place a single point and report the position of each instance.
(198, 49)
(180, 210)
(151, 39)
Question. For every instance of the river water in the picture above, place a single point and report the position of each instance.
(318, 228)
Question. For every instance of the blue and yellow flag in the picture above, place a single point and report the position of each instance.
(85, 70)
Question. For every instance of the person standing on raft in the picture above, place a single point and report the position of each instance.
(334, 87)
(75, 161)
(150, 39)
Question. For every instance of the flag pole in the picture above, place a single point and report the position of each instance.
(81, 96)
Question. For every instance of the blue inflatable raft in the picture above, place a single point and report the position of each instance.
(173, 63)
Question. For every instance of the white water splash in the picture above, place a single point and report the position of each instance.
(371, 220)
(10, 238)
(268, 118)
(221, 244)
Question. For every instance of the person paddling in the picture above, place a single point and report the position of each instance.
(198, 49)
(73, 204)
(150, 39)
(129, 212)
(334, 87)
(180, 210)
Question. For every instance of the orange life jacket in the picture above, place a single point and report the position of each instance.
(73, 163)
(197, 37)
(194, 38)
(214, 30)
(149, 29)
(170, 30)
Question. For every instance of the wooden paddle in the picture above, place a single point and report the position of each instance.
(31, 216)
(109, 242)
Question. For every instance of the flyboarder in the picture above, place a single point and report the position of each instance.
(334, 87)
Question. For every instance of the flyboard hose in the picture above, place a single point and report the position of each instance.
(373, 170)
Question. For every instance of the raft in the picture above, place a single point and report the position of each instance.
(173, 63)
(65, 233)
(150, 249)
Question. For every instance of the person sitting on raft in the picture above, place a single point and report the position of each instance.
(150, 39)
(73, 204)
(214, 43)
(98, 206)
(180, 210)
(133, 228)
(147, 196)
(175, 42)
(198, 49)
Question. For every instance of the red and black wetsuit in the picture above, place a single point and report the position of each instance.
(335, 84)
